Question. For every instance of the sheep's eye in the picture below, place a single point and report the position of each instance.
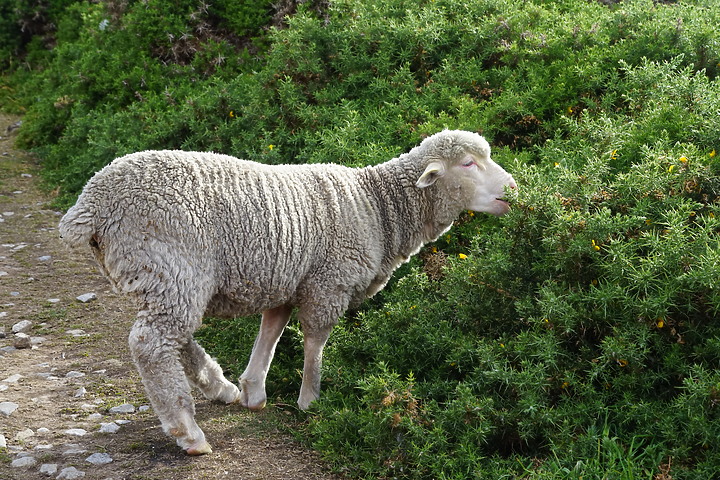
(469, 163)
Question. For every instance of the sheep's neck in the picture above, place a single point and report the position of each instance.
(407, 212)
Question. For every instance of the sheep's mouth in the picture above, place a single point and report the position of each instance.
(502, 200)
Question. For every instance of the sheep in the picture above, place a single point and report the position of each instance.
(191, 234)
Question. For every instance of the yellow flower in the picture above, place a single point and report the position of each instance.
(671, 168)
(462, 256)
(231, 114)
(613, 155)
(471, 213)
(622, 362)
(683, 159)
(711, 154)
(648, 221)
(434, 250)
(271, 146)
(660, 322)
(557, 164)
(569, 110)
(595, 246)
(502, 345)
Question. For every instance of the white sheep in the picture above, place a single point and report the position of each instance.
(192, 234)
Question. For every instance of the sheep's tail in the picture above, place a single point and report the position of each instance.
(78, 225)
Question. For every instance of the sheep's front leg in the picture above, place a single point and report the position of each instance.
(252, 381)
(314, 339)
(205, 374)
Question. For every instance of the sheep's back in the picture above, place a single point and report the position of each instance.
(261, 235)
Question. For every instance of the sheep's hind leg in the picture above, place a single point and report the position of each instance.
(205, 374)
(252, 381)
(156, 354)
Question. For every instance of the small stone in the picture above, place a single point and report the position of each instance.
(53, 300)
(2, 329)
(74, 374)
(109, 427)
(25, 175)
(42, 431)
(94, 417)
(47, 446)
(122, 422)
(8, 214)
(22, 326)
(76, 432)
(37, 340)
(23, 435)
(74, 449)
(77, 333)
(23, 462)
(144, 408)
(99, 459)
(44, 258)
(70, 473)
(3, 442)
(7, 408)
(22, 341)
(87, 297)
(13, 378)
(49, 469)
(3, 273)
(3, 387)
(80, 392)
(125, 408)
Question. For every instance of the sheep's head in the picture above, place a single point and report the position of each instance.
(460, 165)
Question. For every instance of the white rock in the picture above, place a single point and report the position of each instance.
(8, 214)
(3, 387)
(94, 417)
(3, 273)
(42, 431)
(99, 459)
(87, 297)
(13, 378)
(22, 326)
(23, 462)
(45, 258)
(54, 300)
(80, 392)
(70, 473)
(3, 442)
(49, 469)
(125, 408)
(22, 341)
(74, 449)
(77, 333)
(76, 432)
(74, 374)
(122, 422)
(47, 446)
(23, 435)
(144, 408)
(7, 408)
(111, 427)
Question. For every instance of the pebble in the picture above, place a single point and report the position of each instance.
(70, 473)
(7, 408)
(2, 329)
(23, 435)
(76, 432)
(3, 442)
(77, 333)
(45, 258)
(13, 378)
(99, 459)
(49, 469)
(22, 326)
(22, 341)
(74, 374)
(109, 427)
(53, 300)
(74, 449)
(43, 431)
(125, 408)
(23, 462)
(87, 297)
(80, 392)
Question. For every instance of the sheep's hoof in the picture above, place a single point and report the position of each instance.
(202, 449)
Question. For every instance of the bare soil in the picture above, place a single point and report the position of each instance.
(43, 290)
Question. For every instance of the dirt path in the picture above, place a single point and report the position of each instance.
(56, 396)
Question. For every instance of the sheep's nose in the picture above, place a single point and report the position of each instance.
(511, 184)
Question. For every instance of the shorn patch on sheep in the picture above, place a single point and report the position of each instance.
(190, 234)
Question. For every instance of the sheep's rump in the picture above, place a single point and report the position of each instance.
(240, 235)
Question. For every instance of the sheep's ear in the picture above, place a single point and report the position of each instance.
(432, 172)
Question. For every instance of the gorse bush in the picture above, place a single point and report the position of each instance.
(576, 337)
